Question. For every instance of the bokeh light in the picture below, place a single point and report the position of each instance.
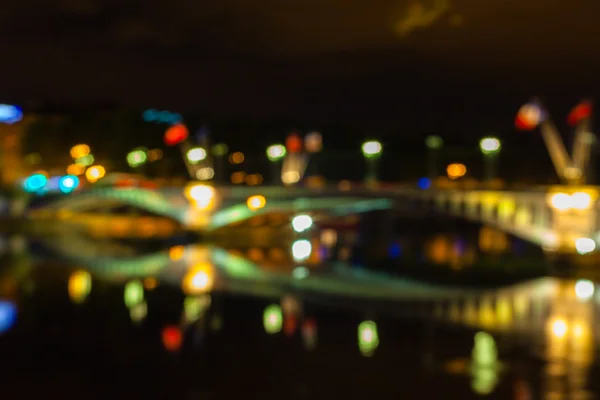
(95, 173)
(68, 183)
(256, 202)
(276, 152)
(195, 155)
(456, 170)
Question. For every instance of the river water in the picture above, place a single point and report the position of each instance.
(441, 309)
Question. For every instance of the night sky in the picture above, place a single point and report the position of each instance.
(428, 66)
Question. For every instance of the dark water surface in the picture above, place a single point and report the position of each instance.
(82, 318)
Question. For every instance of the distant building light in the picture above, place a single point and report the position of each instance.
(10, 114)
(167, 117)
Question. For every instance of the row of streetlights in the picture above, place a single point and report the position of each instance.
(372, 150)
(489, 146)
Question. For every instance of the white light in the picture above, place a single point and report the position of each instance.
(584, 289)
(581, 200)
(585, 245)
(301, 250)
(203, 195)
(371, 148)
(561, 201)
(205, 173)
(489, 145)
(300, 223)
(196, 155)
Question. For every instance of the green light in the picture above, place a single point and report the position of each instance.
(86, 161)
(220, 149)
(368, 338)
(372, 149)
(272, 319)
(484, 350)
(137, 157)
(484, 365)
(434, 142)
(134, 293)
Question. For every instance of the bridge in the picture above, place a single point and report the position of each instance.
(561, 218)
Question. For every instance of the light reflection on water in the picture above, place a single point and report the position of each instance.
(555, 320)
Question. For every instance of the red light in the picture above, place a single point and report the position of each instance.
(176, 134)
(124, 183)
(172, 338)
(580, 112)
(293, 143)
(528, 117)
(148, 185)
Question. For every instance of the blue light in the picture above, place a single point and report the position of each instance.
(68, 183)
(8, 315)
(424, 183)
(150, 115)
(35, 183)
(395, 250)
(10, 114)
(164, 116)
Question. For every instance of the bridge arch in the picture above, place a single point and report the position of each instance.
(149, 200)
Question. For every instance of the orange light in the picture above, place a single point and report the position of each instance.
(150, 283)
(236, 158)
(254, 179)
(176, 253)
(456, 170)
(75, 169)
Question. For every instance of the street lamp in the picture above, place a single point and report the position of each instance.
(195, 155)
(371, 150)
(220, 150)
(275, 153)
(490, 148)
(434, 144)
(137, 157)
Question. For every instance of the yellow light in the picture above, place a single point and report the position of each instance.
(75, 169)
(456, 170)
(80, 285)
(256, 202)
(559, 328)
(199, 279)
(80, 150)
(94, 173)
